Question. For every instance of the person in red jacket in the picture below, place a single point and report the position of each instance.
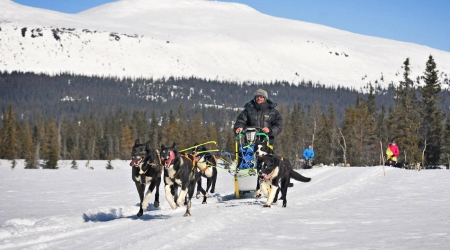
(392, 153)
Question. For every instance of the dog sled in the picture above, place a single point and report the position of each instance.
(246, 172)
(244, 169)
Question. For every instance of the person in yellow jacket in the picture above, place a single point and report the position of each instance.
(391, 153)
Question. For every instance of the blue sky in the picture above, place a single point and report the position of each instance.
(424, 22)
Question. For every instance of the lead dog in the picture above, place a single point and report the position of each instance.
(276, 172)
(179, 171)
(147, 169)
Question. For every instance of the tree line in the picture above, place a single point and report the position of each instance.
(71, 95)
(416, 121)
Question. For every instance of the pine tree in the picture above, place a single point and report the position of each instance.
(406, 131)
(323, 144)
(371, 102)
(38, 137)
(108, 127)
(446, 143)
(290, 143)
(349, 132)
(334, 135)
(139, 126)
(196, 129)
(431, 126)
(9, 143)
(28, 148)
(211, 133)
(51, 145)
(382, 134)
(62, 132)
(126, 143)
(171, 132)
(358, 129)
(326, 146)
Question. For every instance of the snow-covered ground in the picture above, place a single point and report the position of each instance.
(341, 208)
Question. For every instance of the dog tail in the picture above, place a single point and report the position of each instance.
(299, 177)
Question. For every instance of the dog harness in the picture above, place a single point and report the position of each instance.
(188, 156)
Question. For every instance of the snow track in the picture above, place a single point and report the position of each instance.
(341, 208)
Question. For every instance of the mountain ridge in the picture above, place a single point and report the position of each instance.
(206, 39)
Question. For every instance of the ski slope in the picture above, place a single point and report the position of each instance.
(341, 208)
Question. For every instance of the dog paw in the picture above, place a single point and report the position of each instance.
(156, 204)
(187, 214)
(173, 205)
(212, 191)
(266, 205)
(181, 203)
(197, 196)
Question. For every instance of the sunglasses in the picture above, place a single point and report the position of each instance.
(260, 96)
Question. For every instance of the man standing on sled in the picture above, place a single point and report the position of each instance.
(260, 112)
(391, 153)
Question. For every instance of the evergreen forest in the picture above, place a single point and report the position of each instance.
(72, 117)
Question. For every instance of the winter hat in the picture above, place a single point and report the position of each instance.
(261, 92)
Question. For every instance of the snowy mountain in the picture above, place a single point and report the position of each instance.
(206, 39)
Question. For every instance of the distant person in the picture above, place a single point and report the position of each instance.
(308, 155)
(260, 112)
(392, 153)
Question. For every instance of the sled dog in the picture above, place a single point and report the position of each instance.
(276, 172)
(206, 163)
(180, 170)
(261, 148)
(146, 169)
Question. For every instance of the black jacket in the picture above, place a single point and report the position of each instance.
(266, 117)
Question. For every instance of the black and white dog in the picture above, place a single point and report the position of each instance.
(147, 169)
(261, 148)
(206, 163)
(180, 170)
(274, 171)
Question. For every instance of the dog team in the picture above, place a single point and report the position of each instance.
(183, 172)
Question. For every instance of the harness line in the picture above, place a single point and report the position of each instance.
(195, 146)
